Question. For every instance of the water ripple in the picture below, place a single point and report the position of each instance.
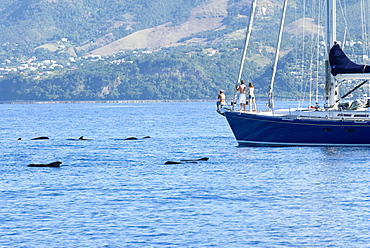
(111, 192)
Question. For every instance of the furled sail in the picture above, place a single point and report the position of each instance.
(343, 68)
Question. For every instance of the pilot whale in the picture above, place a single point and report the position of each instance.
(41, 138)
(53, 164)
(182, 161)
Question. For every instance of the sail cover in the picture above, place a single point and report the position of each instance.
(341, 64)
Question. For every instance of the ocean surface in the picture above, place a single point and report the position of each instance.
(112, 192)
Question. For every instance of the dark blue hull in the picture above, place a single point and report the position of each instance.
(250, 129)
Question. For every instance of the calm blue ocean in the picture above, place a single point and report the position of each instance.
(111, 192)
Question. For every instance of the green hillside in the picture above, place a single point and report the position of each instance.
(33, 23)
(146, 49)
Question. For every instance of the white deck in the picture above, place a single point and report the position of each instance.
(362, 114)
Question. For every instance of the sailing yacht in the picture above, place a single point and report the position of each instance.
(337, 123)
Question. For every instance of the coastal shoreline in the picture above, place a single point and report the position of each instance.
(101, 101)
(263, 99)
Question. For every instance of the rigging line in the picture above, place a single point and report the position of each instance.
(296, 68)
(365, 41)
(293, 88)
(306, 85)
(345, 23)
(315, 48)
(311, 64)
(319, 15)
(247, 38)
(295, 91)
(302, 60)
(364, 30)
(362, 27)
(300, 65)
(270, 103)
(355, 88)
(315, 39)
(343, 8)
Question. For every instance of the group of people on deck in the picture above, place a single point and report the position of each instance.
(242, 97)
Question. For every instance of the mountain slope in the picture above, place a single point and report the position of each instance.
(39, 37)
(105, 27)
(208, 16)
(33, 23)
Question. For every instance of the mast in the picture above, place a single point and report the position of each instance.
(270, 103)
(247, 38)
(331, 87)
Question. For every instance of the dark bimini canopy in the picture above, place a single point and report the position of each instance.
(341, 64)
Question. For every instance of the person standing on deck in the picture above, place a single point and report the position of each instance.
(251, 98)
(242, 97)
(221, 99)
